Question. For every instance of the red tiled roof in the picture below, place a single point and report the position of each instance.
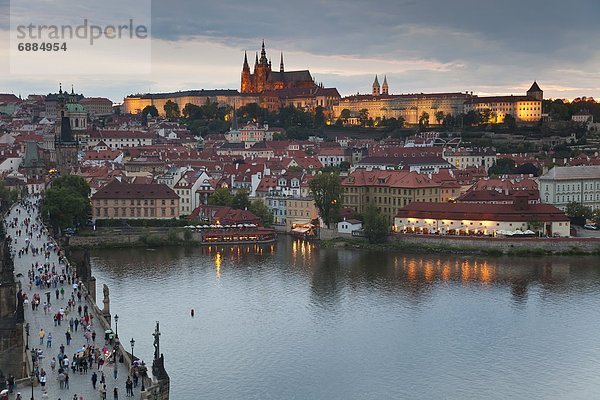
(120, 190)
(399, 179)
(484, 212)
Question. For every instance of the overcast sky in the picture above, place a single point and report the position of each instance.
(488, 47)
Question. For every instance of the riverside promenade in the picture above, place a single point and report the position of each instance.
(80, 384)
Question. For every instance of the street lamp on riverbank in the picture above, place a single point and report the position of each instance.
(116, 324)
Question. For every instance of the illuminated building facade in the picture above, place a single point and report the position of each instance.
(525, 109)
(265, 78)
(134, 104)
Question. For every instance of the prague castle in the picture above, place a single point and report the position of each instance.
(410, 107)
(264, 78)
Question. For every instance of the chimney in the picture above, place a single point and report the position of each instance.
(521, 201)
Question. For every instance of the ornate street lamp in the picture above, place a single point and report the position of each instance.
(116, 324)
(132, 342)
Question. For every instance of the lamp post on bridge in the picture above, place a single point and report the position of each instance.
(132, 343)
(117, 326)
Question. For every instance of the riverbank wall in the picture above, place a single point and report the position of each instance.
(507, 245)
(481, 245)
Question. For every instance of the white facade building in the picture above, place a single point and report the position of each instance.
(563, 185)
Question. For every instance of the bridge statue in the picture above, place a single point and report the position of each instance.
(106, 300)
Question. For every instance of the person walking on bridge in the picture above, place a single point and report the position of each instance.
(42, 335)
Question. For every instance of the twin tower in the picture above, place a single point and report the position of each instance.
(380, 90)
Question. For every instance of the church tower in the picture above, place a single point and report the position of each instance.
(376, 87)
(246, 77)
(65, 145)
(385, 90)
(281, 63)
(535, 92)
(262, 71)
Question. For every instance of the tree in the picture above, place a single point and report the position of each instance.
(221, 197)
(7, 197)
(439, 116)
(375, 225)
(319, 121)
(251, 112)
(424, 120)
(363, 116)
(67, 202)
(74, 183)
(192, 111)
(596, 216)
(345, 115)
(326, 190)
(171, 109)
(240, 200)
(528, 169)
(259, 209)
(473, 117)
(149, 110)
(510, 122)
(578, 213)
(502, 166)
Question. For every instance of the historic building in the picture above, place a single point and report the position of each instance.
(388, 190)
(525, 109)
(380, 104)
(265, 78)
(66, 145)
(412, 107)
(135, 200)
(468, 219)
(135, 104)
(563, 185)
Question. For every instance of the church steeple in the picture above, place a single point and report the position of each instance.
(246, 86)
(263, 54)
(385, 88)
(281, 63)
(376, 87)
(246, 66)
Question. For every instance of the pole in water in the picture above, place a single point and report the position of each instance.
(192, 313)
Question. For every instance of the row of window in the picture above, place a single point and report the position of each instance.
(387, 190)
(567, 187)
(133, 202)
(133, 212)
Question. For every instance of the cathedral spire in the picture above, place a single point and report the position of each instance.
(385, 88)
(246, 60)
(60, 88)
(263, 54)
(376, 87)
(281, 63)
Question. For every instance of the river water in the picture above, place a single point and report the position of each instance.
(291, 321)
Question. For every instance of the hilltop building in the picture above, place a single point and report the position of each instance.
(265, 78)
(412, 107)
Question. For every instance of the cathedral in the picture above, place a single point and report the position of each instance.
(264, 78)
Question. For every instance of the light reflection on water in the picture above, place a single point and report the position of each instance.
(292, 321)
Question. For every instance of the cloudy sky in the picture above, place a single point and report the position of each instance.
(488, 47)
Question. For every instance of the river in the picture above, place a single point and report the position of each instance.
(291, 321)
